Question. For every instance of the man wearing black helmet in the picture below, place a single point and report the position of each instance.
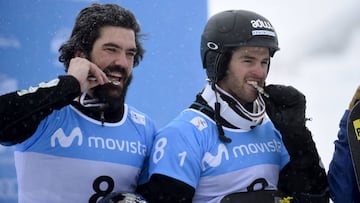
(226, 147)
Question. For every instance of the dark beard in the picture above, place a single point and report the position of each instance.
(112, 95)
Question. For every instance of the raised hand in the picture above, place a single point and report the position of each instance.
(82, 68)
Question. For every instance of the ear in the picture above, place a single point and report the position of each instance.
(80, 54)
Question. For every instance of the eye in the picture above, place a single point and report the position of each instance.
(110, 49)
(247, 60)
(266, 62)
(131, 53)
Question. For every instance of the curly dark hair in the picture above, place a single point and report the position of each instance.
(87, 29)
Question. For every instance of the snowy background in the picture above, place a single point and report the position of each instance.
(319, 41)
(319, 54)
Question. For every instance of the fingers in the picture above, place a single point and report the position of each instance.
(82, 68)
(276, 93)
(286, 95)
(96, 72)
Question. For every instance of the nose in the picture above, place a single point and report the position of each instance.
(123, 60)
(260, 70)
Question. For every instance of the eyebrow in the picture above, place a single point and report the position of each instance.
(110, 44)
(246, 57)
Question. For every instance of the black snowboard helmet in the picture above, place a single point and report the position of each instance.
(228, 30)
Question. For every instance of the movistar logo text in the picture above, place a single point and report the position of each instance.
(66, 141)
(214, 161)
(210, 160)
(76, 138)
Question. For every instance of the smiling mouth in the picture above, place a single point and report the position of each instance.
(113, 79)
(258, 88)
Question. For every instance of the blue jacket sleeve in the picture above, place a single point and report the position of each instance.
(341, 176)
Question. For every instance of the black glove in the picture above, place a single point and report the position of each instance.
(303, 175)
(286, 107)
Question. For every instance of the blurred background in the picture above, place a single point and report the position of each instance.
(319, 45)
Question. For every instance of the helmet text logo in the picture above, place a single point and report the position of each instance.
(261, 24)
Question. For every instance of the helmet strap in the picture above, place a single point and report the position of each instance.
(220, 129)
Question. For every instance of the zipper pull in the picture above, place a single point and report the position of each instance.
(102, 118)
